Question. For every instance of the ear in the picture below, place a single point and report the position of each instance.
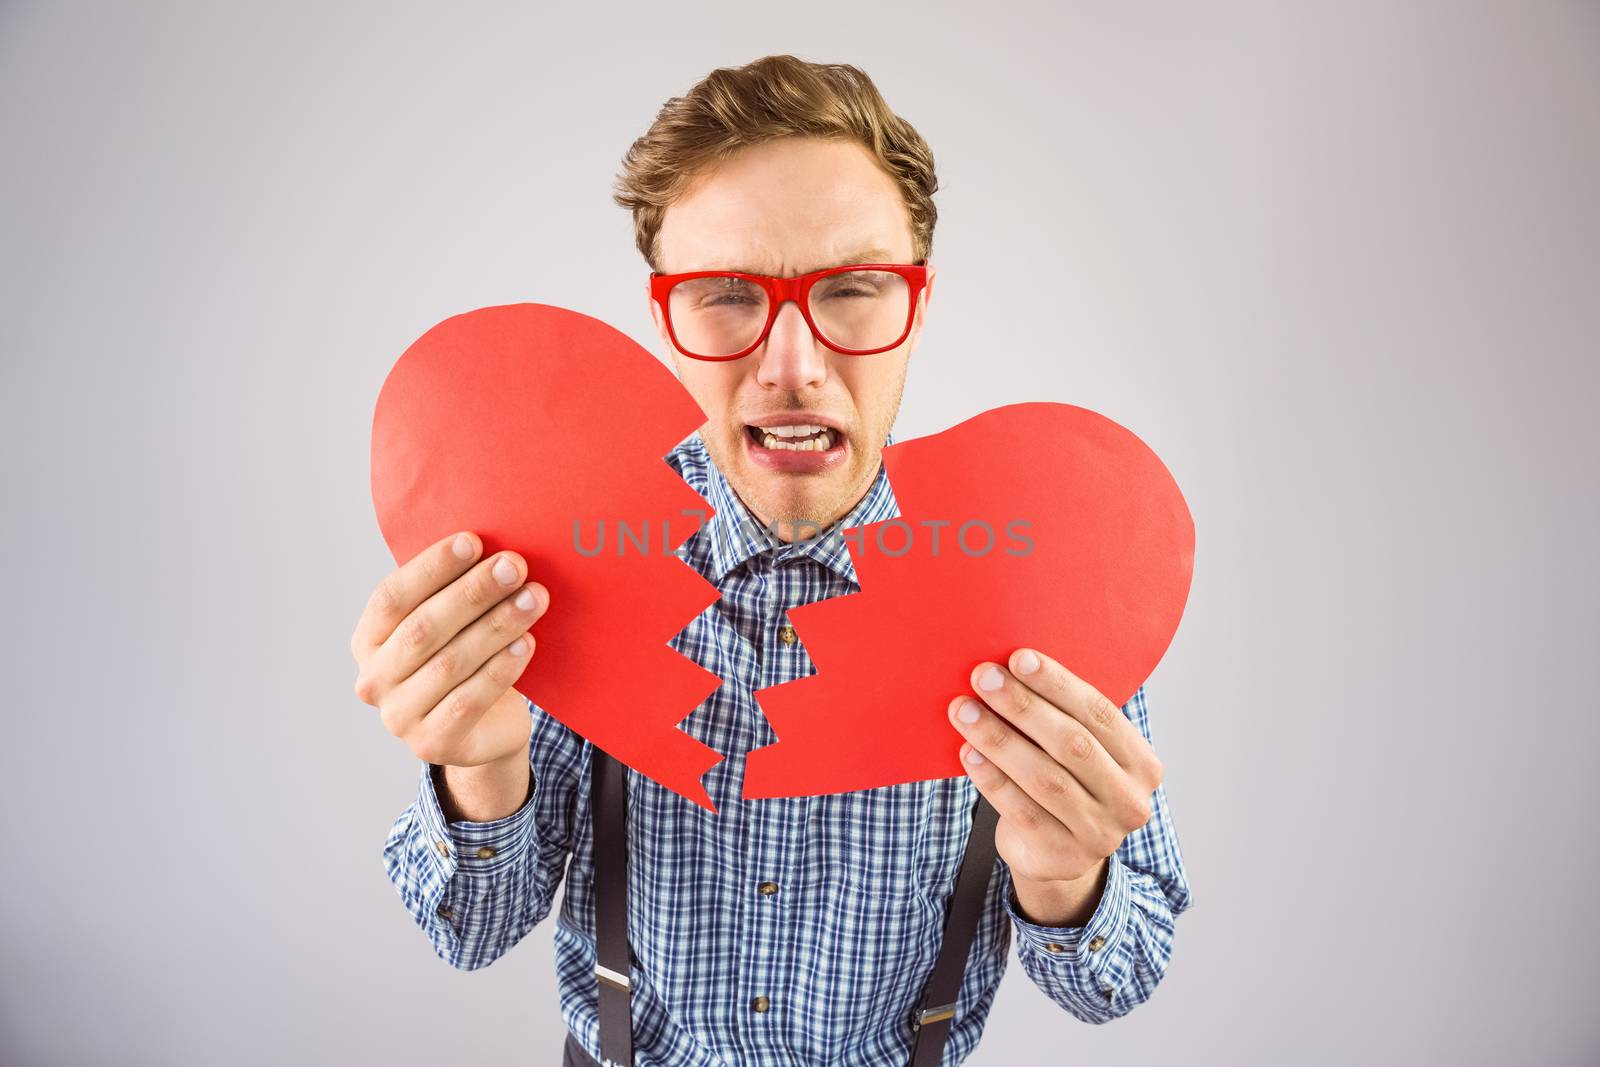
(923, 299)
(920, 315)
(655, 317)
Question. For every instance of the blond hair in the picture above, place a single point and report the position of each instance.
(776, 96)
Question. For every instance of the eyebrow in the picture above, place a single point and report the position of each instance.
(865, 255)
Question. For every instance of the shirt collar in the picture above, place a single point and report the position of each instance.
(735, 535)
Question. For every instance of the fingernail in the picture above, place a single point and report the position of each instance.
(504, 572)
(974, 757)
(991, 679)
(968, 711)
(462, 546)
(518, 647)
(1027, 661)
(524, 601)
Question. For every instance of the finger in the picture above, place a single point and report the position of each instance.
(436, 621)
(445, 733)
(1065, 740)
(423, 689)
(1096, 712)
(1048, 784)
(402, 590)
(1013, 804)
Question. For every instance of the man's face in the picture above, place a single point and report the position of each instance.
(785, 208)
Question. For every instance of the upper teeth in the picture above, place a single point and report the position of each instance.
(791, 431)
(787, 437)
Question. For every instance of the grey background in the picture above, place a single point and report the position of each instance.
(1336, 263)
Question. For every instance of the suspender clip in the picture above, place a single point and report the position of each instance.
(613, 979)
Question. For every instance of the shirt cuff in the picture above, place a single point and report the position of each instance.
(477, 848)
(1092, 946)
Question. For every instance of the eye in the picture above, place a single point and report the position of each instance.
(852, 286)
(728, 298)
(720, 292)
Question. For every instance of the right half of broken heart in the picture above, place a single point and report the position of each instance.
(1042, 525)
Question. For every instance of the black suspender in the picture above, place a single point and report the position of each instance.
(938, 1010)
(608, 794)
(608, 800)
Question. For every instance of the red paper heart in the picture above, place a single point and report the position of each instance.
(516, 422)
(503, 421)
(1101, 591)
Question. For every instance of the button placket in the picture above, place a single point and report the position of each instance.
(769, 862)
(771, 859)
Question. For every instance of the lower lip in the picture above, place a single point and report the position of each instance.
(790, 461)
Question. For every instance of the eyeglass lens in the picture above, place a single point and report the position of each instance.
(718, 315)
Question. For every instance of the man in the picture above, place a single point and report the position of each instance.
(789, 931)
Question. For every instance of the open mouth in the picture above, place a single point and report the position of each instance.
(788, 447)
(800, 438)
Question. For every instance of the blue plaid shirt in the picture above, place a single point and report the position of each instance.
(830, 907)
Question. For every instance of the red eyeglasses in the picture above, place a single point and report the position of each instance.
(856, 310)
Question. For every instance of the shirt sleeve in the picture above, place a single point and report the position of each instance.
(1106, 968)
(477, 888)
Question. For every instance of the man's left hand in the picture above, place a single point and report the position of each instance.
(1068, 773)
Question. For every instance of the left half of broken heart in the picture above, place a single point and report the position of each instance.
(544, 431)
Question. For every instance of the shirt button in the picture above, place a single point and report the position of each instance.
(486, 853)
(1053, 947)
(761, 1004)
(787, 635)
(1097, 944)
(766, 889)
(444, 849)
(445, 913)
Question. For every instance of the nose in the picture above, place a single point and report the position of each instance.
(791, 358)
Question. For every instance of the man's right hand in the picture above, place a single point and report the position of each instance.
(439, 646)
